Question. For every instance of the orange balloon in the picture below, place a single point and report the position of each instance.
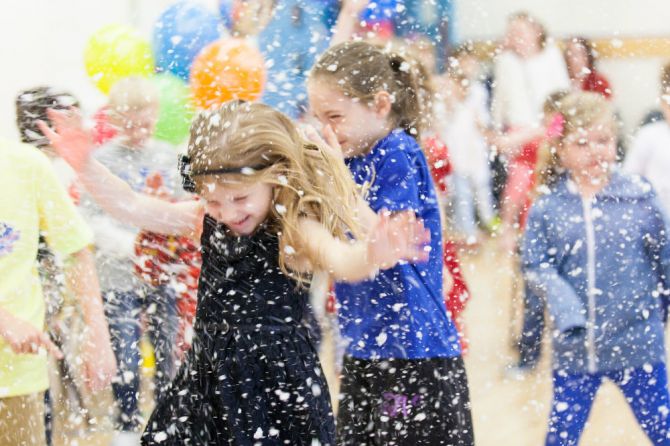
(227, 69)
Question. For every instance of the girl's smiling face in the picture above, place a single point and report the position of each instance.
(357, 124)
(241, 207)
(590, 153)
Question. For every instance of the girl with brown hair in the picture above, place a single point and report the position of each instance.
(404, 381)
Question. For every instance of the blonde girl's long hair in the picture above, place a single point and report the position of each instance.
(308, 180)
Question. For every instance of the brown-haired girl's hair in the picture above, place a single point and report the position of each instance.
(361, 70)
(308, 180)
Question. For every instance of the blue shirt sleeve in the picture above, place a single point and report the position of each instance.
(657, 246)
(541, 273)
(395, 185)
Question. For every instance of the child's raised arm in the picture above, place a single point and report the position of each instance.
(347, 20)
(73, 143)
(394, 238)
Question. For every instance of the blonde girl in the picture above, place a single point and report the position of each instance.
(274, 208)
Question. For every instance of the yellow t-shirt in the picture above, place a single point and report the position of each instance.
(32, 200)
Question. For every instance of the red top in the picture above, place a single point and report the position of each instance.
(597, 83)
(438, 161)
(158, 256)
(528, 153)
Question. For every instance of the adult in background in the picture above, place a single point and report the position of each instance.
(580, 58)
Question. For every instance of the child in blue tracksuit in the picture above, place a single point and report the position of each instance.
(596, 250)
(403, 381)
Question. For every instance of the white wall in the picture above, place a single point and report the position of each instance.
(634, 80)
(42, 42)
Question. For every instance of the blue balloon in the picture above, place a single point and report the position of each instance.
(328, 10)
(434, 19)
(379, 11)
(291, 42)
(226, 12)
(182, 30)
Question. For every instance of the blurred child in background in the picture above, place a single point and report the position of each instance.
(596, 250)
(580, 59)
(461, 128)
(123, 252)
(68, 393)
(649, 154)
(34, 202)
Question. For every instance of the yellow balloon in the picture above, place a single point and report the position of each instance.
(114, 52)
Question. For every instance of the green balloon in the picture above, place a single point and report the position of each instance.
(175, 111)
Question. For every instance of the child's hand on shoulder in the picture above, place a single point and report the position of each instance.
(397, 237)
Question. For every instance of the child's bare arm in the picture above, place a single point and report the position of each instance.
(347, 20)
(98, 361)
(117, 198)
(394, 238)
(73, 143)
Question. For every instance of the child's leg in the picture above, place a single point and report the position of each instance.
(22, 420)
(357, 401)
(572, 401)
(530, 342)
(647, 394)
(400, 401)
(163, 323)
(122, 310)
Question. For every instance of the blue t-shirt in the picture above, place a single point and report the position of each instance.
(401, 312)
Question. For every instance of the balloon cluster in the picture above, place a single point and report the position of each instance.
(201, 58)
(192, 60)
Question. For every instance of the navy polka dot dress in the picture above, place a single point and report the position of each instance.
(252, 376)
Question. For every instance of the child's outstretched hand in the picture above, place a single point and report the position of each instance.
(69, 137)
(397, 237)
